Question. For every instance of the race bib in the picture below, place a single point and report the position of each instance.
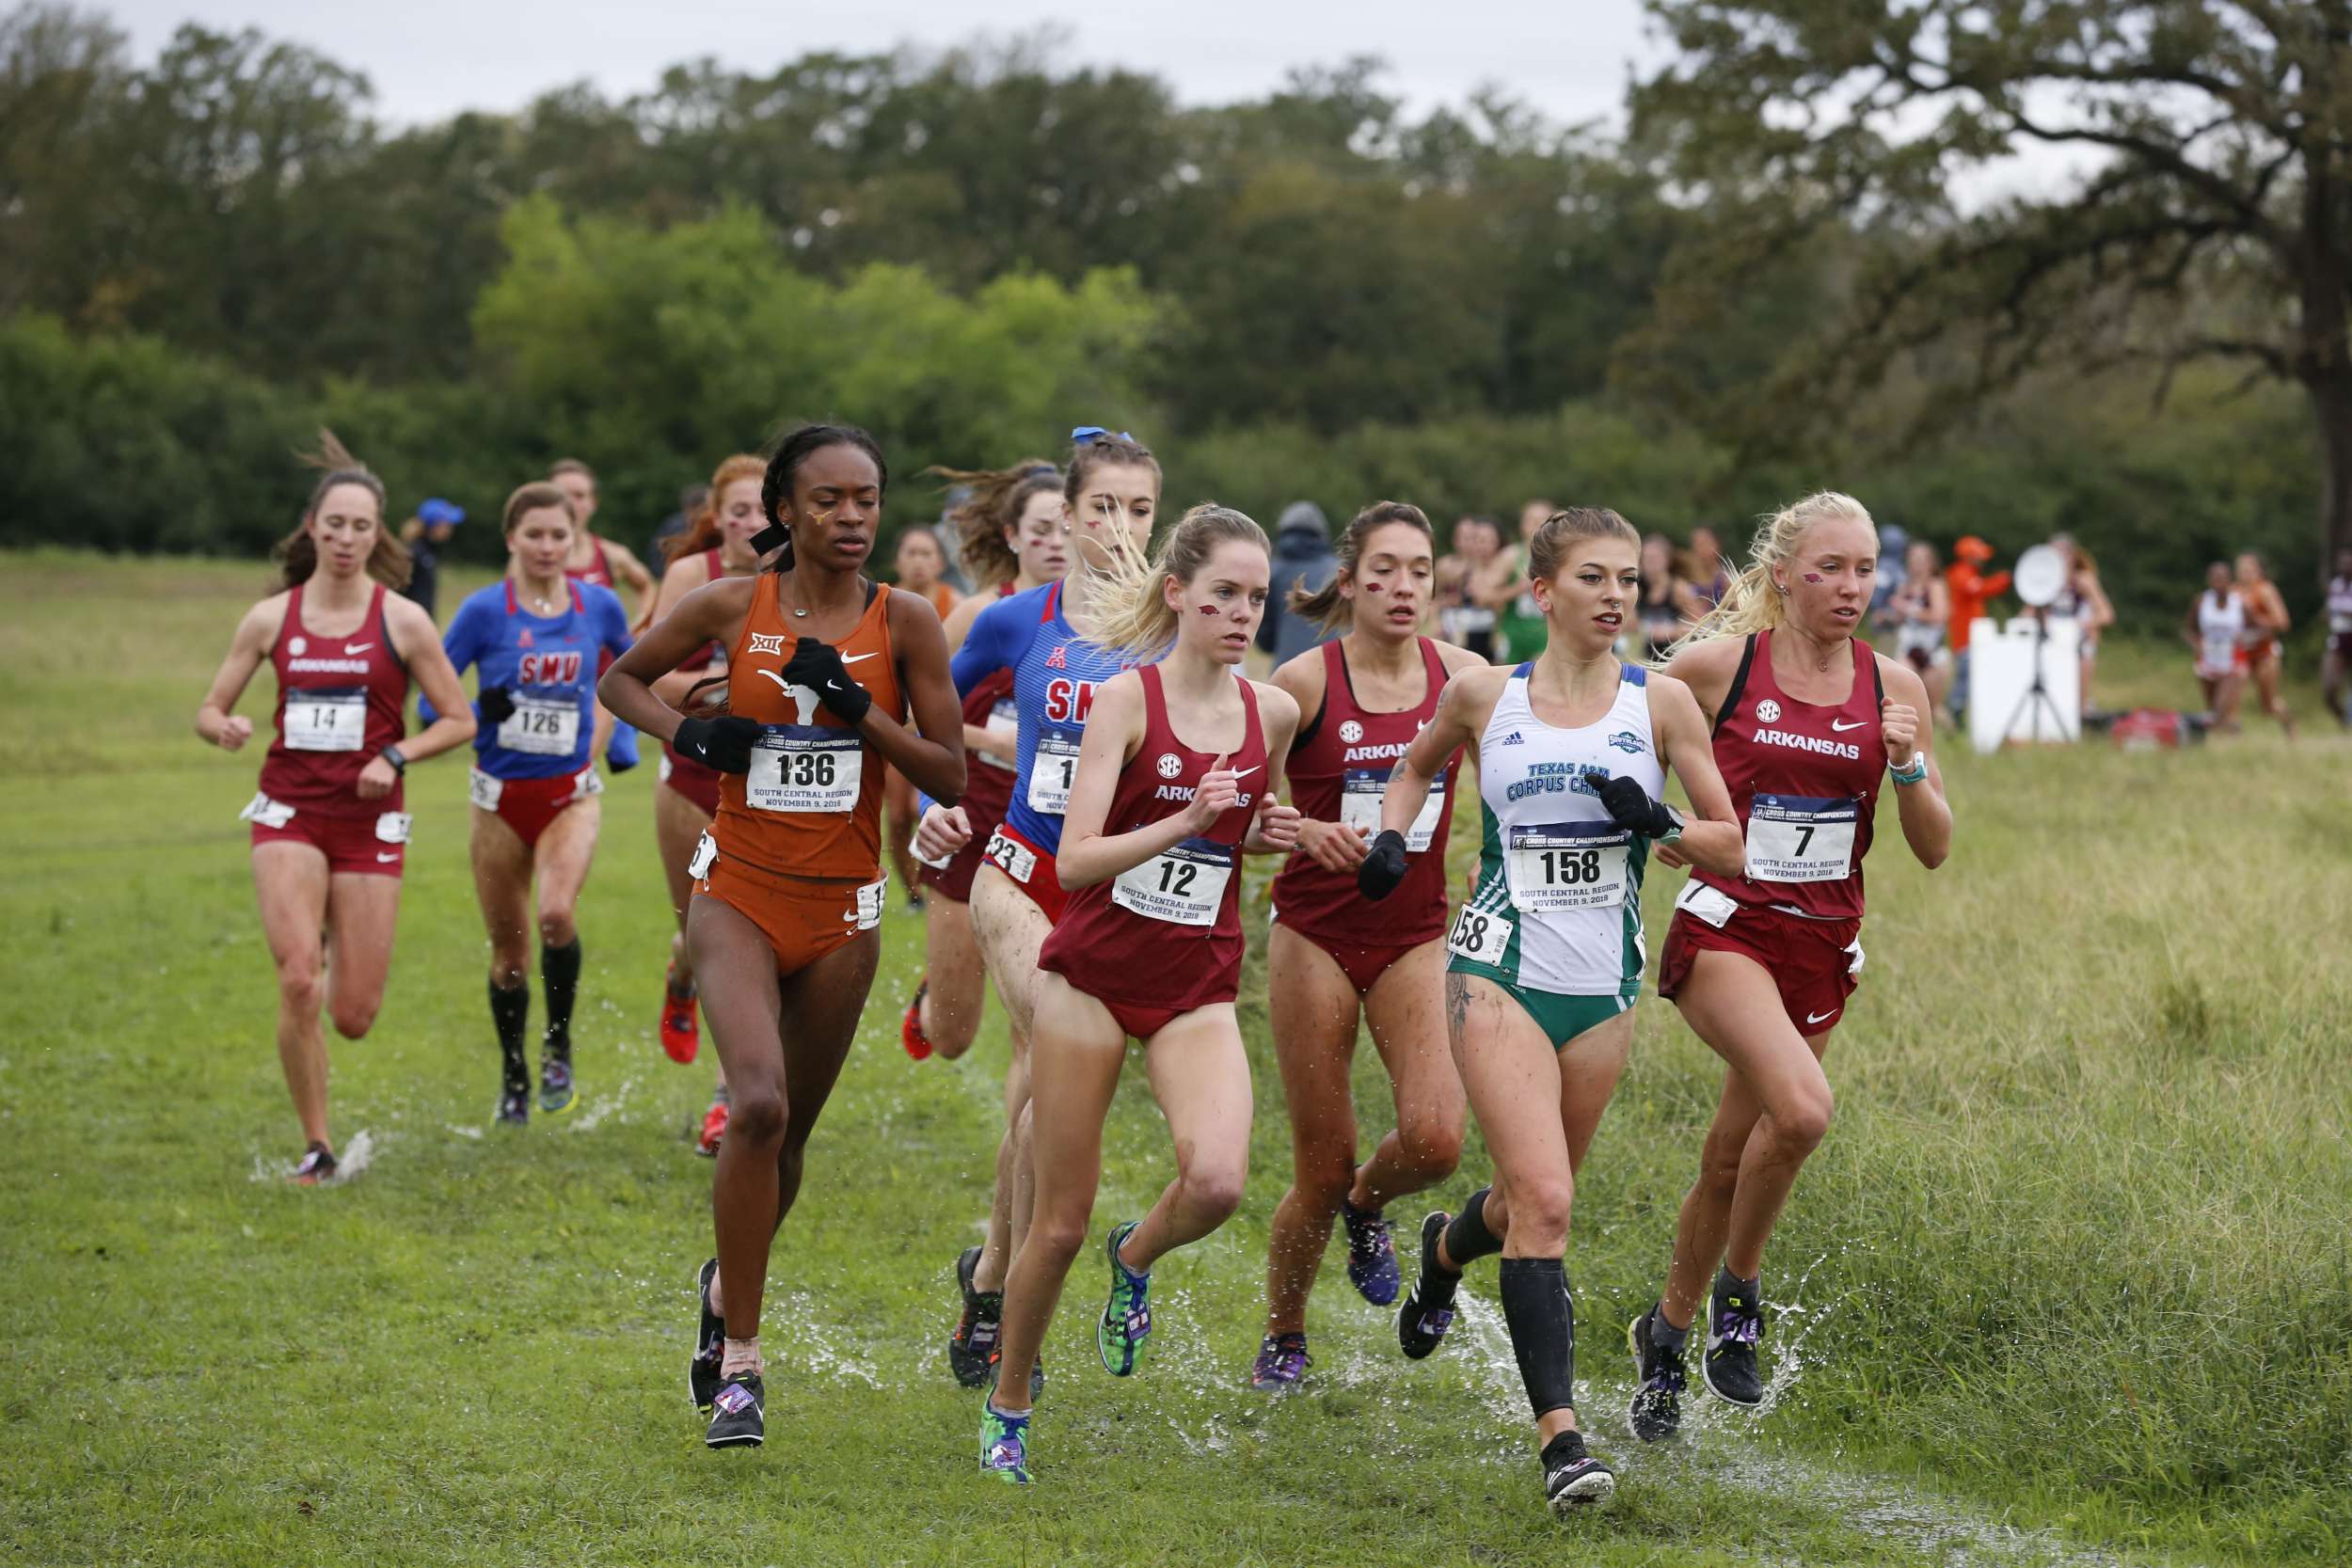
(587, 783)
(1017, 861)
(1480, 935)
(706, 856)
(485, 789)
(806, 767)
(1793, 838)
(1359, 807)
(392, 827)
(1702, 902)
(1566, 865)
(1004, 725)
(326, 720)
(541, 727)
(2221, 650)
(1185, 886)
(1052, 772)
(268, 812)
(867, 911)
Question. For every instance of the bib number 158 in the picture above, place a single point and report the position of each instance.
(1480, 935)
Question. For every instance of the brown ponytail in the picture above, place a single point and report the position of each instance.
(298, 554)
(992, 510)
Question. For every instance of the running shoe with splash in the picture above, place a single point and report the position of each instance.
(1659, 1378)
(1735, 1328)
(514, 1105)
(555, 1085)
(1282, 1364)
(1428, 1309)
(973, 1345)
(1004, 1445)
(1572, 1477)
(918, 1045)
(738, 1413)
(1125, 1328)
(710, 1340)
(1371, 1254)
(681, 1029)
(714, 1128)
(317, 1165)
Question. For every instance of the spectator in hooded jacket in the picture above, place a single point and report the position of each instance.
(1302, 558)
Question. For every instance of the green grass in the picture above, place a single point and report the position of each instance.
(2069, 1274)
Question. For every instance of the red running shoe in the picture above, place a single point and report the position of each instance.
(714, 1128)
(910, 1027)
(681, 1034)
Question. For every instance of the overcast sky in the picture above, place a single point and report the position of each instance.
(429, 58)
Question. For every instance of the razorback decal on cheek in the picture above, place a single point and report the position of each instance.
(1815, 578)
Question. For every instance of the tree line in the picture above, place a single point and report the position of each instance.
(1313, 294)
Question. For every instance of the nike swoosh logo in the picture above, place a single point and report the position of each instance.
(852, 658)
(1816, 1017)
(1855, 725)
(382, 859)
(357, 647)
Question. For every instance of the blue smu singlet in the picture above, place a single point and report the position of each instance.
(549, 664)
(1055, 674)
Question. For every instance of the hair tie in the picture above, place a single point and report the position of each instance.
(1087, 435)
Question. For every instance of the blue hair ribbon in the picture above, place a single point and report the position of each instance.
(1087, 434)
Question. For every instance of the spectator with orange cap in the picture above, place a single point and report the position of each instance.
(1971, 589)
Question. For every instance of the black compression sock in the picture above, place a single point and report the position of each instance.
(1542, 1319)
(1467, 1238)
(559, 971)
(1664, 1335)
(510, 1010)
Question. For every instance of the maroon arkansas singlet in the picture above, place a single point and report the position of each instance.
(1805, 780)
(341, 700)
(1166, 934)
(598, 573)
(1338, 770)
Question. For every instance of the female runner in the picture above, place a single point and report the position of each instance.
(1669, 605)
(601, 563)
(921, 566)
(1015, 531)
(1110, 490)
(2335, 665)
(1545, 961)
(330, 837)
(2217, 630)
(1923, 609)
(1806, 717)
(717, 544)
(1175, 774)
(2266, 622)
(537, 638)
(784, 928)
(1332, 959)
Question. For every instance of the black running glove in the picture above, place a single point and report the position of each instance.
(1631, 807)
(1383, 866)
(725, 743)
(817, 666)
(496, 705)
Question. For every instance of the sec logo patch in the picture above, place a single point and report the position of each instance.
(1170, 764)
(1767, 712)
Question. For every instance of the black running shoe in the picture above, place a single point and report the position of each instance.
(1428, 1309)
(739, 1414)
(1659, 1378)
(515, 1106)
(973, 1345)
(316, 1165)
(1572, 1477)
(1735, 1326)
(711, 1342)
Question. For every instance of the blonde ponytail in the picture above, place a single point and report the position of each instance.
(1126, 610)
(1753, 601)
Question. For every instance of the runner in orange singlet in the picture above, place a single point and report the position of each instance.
(823, 666)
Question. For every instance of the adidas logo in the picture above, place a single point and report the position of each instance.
(1514, 739)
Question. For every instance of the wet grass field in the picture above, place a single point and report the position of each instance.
(2070, 1280)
